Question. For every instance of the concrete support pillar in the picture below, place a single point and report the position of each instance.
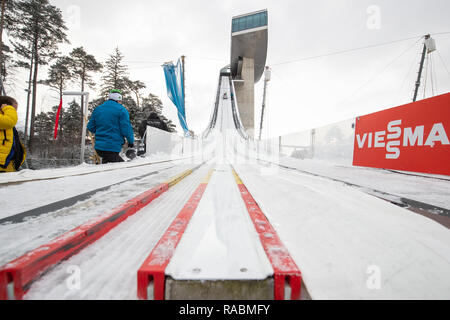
(245, 95)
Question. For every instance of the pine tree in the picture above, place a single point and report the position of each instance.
(115, 74)
(152, 103)
(95, 103)
(71, 123)
(135, 87)
(59, 75)
(6, 63)
(44, 127)
(6, 22)
(29, 67)
(136, 114)
(38, 29)
(83, 64)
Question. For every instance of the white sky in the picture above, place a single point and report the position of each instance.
(301, 95)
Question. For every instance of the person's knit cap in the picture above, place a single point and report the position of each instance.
(115, 95)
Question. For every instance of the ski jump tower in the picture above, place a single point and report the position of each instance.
(248, 59)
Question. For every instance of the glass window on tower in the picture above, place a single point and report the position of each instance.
(250, 22)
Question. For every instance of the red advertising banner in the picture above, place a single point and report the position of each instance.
(413, 137)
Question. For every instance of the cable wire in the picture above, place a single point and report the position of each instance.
(413, 62)
(380, 72)
(344, 51)
(443, 62)
(353, 49)
(426, 76)
(433, 76)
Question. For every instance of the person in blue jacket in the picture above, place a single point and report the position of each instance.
(110, 122)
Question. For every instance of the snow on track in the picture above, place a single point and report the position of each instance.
(27, 175)
(220, 242)
(337, 234)
(39, 193)
(429, 189)
(108, 268)
(17, 239)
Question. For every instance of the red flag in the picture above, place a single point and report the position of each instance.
(55, 136)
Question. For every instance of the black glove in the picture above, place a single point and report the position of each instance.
(131, 145)
(131, 154)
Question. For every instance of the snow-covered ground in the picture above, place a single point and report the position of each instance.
(83, 169)
(108, 268)
(42, 192)
(337, 235)
(18, 238)
(430, 189)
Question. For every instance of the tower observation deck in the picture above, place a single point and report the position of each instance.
(249, 39)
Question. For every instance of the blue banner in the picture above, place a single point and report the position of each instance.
(175, 90)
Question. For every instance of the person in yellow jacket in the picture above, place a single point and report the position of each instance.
(12, 151)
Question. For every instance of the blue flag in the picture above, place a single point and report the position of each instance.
(175, 90)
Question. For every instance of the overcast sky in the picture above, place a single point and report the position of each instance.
(302, 94)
